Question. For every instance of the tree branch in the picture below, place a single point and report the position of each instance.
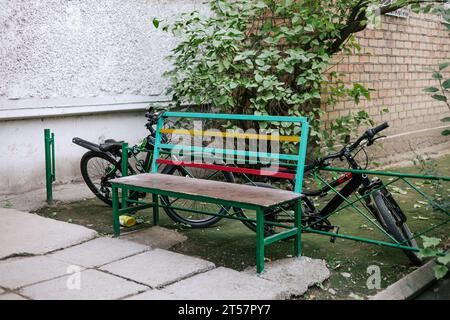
(357, 20)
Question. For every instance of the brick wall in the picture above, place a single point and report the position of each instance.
(396, 60)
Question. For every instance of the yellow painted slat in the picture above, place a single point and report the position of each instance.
(231, 135)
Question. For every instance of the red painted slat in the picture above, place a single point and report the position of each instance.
(257, 172)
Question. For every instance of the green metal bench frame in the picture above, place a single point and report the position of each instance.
(359, 199)
(261, 240)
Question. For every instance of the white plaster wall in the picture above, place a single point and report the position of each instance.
(76, 48)
(22, 165)
(82, 68)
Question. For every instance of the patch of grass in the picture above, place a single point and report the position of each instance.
(229, 243)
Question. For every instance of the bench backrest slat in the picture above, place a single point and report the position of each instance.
(219, 152)
(225, 116)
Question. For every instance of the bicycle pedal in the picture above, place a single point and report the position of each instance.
(335, 230)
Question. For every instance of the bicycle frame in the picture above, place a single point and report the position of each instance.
(332, 208)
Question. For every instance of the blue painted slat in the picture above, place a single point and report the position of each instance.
(230, 152)
(234, 117)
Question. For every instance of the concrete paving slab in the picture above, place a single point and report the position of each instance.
(227, 284)
(11, 296)
(19, 272)
(154, 294)
(156, 237)
(100, 251)
(158, 267)
(297, 274)
(35, 199)
(25, 233)
(94, 285)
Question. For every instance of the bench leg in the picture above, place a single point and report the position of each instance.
(116, 213)
(298, 225)
(124, 198)
(259, 240)
(155, 198)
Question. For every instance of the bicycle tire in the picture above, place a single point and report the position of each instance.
(268, 229)
(84, 164)
(387, 208)
(193, 223)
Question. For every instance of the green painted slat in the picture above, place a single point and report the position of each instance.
(280, 236)
(135, 208)
(234, 117)
(230, 152)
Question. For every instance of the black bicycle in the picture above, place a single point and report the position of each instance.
(103, 162)
(377, 197)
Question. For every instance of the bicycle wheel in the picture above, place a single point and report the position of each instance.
(274, 215)
(97, 169)
(193, 219)
(395, 225)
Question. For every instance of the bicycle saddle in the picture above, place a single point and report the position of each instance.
(111, 145)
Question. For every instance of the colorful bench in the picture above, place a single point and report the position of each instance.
(243, 160)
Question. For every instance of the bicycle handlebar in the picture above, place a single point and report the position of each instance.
(379, 128)
(368, 135)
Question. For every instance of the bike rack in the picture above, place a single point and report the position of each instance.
(351, 203)
(348, 203)
(49, 140)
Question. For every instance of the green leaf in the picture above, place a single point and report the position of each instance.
(155, 23)
(446, 133)
(426, 253)
(309, 28)
(444, 65)
(446, 84)
(430, 241)
(439, 97)
(440, 271)
(437, 75)
(260, 5)
(445, 260)
(446, 119)
(431, 89)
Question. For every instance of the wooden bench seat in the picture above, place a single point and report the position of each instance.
(209, 190)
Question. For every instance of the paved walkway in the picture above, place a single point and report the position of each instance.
(42, 258)
(35, 199)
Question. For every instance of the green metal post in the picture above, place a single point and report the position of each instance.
(156, 149)
(115, 203)
(259, 240)
(49, 139)
(301, 158)
(155, 209)
(298, 225)
(124, 167)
